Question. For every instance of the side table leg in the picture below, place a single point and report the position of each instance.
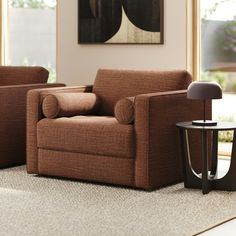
(191, 178)
(231, 175)
(205, 184)
(214, 158)
(228, 182)
(184, 151)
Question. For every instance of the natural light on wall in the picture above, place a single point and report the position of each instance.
(218, 56)
(31, 34)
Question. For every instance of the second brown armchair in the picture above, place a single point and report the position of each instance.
(75, 133)
(14, 84)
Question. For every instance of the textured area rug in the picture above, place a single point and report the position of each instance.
(32, 205)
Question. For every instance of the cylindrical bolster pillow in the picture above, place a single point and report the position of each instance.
(69, 104)
(124, 110)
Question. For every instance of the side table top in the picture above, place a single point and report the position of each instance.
(220, 126)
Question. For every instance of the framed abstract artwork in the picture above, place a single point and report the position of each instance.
(120, 21)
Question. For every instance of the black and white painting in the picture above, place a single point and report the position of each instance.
(120, 21)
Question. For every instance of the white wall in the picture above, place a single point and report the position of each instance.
(77, 64)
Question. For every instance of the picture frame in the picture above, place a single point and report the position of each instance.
(120, 21)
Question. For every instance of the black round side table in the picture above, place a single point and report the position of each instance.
(207, 180)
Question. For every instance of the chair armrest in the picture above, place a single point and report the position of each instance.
(158, 160)
(34, 114)
(13, 122)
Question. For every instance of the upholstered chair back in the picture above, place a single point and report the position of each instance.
(16, 75)
(112, 85)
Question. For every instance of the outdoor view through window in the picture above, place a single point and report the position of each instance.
(32, 34)
(218, 58)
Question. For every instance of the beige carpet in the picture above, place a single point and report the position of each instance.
(32, 205)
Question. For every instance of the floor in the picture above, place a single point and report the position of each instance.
(223, 167)
(38, 206)
(227, 229)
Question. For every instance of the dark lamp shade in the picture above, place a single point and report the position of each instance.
(202, 90)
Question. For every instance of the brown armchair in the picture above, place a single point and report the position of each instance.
(14, 84)
(142, 152)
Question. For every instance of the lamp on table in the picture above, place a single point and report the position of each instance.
(202, 90)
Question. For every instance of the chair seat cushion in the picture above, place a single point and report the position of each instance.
(87, 134)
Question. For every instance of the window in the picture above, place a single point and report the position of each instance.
(217, 57)
(31, 34)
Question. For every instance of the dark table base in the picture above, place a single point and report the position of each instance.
(208, 179)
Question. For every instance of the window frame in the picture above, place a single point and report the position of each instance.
(196, 39)
(3, 28)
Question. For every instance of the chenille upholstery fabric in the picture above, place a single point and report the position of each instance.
(13, 75)
(35, 114)
(144, 154)
(113, 85)
(124, 110)
(13, 111)
(95, 168)
(87, 134)
(158, 146)
(70, 104)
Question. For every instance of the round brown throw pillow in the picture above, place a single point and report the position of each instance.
(124, 110)
(69, 104)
